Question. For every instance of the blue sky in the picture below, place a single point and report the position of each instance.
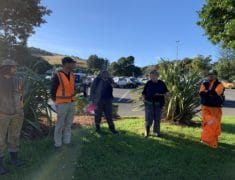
(145, 29)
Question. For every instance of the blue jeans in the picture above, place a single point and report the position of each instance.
(153, 113)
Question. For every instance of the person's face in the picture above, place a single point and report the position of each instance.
(154, 77)
(211, 77)
(70, 66)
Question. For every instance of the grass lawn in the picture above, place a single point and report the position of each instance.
(178, 155)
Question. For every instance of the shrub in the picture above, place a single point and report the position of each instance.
(36, 107)
(183, 103)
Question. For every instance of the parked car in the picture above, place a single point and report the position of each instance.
(143, 80)
(132, 82)
(120, 82)
(89, 80)
(227, 84)
(80, 85)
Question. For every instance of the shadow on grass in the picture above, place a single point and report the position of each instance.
(130, 156)
(228, 128)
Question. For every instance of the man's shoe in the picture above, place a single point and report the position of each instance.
(114, 131)
(15, 161)
(69, 145)
(97, 129)
(157, 134)
(57, 148)
(3, 170)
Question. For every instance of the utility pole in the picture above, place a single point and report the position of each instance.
(177, 49)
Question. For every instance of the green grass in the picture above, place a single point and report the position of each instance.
(178, 155)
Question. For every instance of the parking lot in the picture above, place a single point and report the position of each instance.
(124, 98)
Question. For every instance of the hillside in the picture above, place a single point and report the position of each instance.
(56, 59)
(53, 58)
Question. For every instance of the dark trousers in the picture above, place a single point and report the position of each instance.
(152, 113)
(106, 107)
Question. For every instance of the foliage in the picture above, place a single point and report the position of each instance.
(183, 104)
(201, 65)
(18, 18)
(125, 67)
(217, 18)
(96, 63)
(226, 65)
(36, 107)
(81, 103)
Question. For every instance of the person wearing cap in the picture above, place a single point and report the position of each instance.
(212, 98)
(154, 100)
(11, 113)
(63, 95)
(101, 95)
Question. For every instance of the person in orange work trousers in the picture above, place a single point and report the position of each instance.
(63, 95)
(11, 113)
(212, 98)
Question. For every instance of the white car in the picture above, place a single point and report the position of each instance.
(143, 80)
(132, 82)
(120, 82)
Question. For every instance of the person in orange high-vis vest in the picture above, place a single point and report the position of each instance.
(63, 95)
(212, 98)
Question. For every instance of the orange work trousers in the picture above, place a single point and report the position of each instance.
(211, 125)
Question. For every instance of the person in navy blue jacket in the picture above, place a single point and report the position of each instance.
(154, 99)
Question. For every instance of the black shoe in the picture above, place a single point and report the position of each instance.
(69, 145)
(57, 148)
(112, 129)
(157, 135)
(15, 161)
(97, 129)
(3, 170)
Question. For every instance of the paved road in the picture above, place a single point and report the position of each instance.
(124, 98)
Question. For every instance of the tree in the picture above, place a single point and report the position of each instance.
(201, 65)
(96, 63)
(217, 18)
(226, 65)
(125, 66)
(18, 19)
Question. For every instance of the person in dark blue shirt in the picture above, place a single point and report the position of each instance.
(154, 100)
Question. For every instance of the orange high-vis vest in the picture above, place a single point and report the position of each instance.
(65, 91)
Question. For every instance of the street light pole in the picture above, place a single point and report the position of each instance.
(177, 49)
